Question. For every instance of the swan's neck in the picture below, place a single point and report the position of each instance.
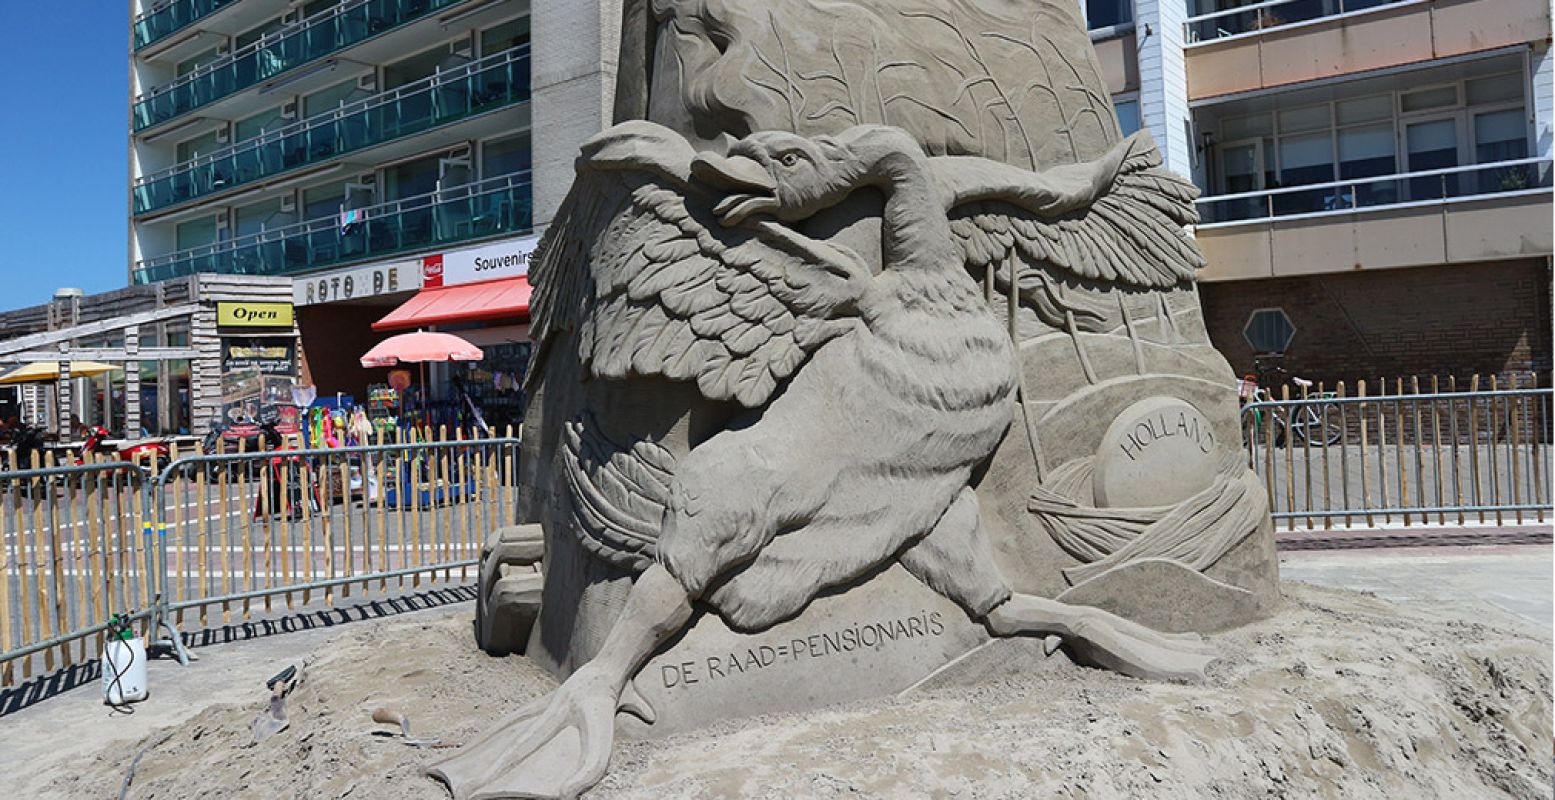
(915, 232)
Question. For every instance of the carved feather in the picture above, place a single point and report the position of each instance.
(637, 265)
(1118, 219)
(618, 492)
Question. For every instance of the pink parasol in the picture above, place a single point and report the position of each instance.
(420, 347)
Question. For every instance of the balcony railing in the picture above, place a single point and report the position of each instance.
(464, 213)
(1405, 189)
(172, 17)
(1259, 17)
(326, 32)
(494, 82)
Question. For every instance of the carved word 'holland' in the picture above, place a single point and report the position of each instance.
(1161, 426)
(1157, 452)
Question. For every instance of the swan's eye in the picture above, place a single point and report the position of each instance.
(788, 159)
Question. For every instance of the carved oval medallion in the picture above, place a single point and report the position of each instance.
(1158, 452)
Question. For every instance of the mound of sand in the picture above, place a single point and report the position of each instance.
(1340, 695)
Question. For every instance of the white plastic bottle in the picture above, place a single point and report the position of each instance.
(124, 668)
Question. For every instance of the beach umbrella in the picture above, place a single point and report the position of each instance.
(419, 348)
(48, 371)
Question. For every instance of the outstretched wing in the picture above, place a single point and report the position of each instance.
(638, 265)
(1118, 219)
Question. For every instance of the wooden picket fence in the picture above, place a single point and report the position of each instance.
(1406, 452)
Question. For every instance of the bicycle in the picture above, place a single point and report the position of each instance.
(1314, 423)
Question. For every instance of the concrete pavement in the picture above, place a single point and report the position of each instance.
(1514, 581)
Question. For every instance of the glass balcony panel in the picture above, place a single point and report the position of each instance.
(1378, 193)
(1489, 180)
(173, 17)
(1265, 16)
(491, 83)
(311, 39)
(1304, 202)
(488, 208)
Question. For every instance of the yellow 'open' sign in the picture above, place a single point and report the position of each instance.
(254, 315)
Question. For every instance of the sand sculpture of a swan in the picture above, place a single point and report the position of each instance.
(871, 400)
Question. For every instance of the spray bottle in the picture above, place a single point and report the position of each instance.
(124, 664)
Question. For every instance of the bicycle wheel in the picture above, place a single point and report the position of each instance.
(1319, 425)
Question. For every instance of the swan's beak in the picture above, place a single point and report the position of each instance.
(749, 185)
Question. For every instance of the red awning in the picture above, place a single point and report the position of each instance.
(466, 302)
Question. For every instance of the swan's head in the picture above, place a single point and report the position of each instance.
(788, 176)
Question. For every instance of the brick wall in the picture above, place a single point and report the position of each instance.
(1490, 318)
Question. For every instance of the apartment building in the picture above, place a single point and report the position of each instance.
(1375, 173)
(369, 149)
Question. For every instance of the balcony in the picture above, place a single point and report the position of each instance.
(1269, 16)
(480, 210)
(1458, 215)
(153, 26)
(1283, 42)
(497, 81)
(324, 33)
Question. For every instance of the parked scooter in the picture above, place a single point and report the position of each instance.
(290, 480)
(155, 452)
(248, 437)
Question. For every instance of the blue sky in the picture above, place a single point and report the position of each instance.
(64, 148)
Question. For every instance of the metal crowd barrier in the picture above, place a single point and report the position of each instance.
(1406, 457)
(215, 539)
(78, 548)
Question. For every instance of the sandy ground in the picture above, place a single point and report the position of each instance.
(1341, 695)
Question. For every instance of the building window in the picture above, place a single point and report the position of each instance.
(1128, 115)
(268, 120)
(1269, 330)
(332, 98)
(505, 156)
(204, 144)
(323, 201)
(1108, 13)
(505, 36)
(195, 233)
(1474, 121)
(412, 178)
(261, 216)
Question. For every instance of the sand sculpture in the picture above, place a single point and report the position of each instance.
(863, 338)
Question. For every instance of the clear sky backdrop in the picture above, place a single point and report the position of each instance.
(63, 149)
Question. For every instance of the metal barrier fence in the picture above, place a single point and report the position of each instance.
(78, 548)
(221, 538)
(1427, 457)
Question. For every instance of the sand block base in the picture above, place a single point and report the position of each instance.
(1337, 695)
(875, 639)
(1167, 596)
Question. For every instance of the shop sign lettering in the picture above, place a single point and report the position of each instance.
(254, 315)
(353, 284)
(508, 258)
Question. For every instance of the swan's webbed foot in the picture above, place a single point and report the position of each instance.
(558, 746)
(555, 747)
(1103, 639)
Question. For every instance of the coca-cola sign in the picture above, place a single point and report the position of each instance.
(431, 271)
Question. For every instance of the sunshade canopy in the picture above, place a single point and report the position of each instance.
(507, 298)
(421, 346)
(48, 371)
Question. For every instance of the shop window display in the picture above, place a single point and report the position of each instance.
(494, 386)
